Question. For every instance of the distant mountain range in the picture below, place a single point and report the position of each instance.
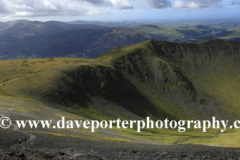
(34, 39)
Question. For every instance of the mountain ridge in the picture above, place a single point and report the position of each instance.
(155, 78)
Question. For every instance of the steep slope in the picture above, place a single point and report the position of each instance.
(155, 78)
(118, 37)
(187, 73)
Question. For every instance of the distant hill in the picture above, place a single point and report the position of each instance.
(4, 26)
(33, 39)
(106, 24)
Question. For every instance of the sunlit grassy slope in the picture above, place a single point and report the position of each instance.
(155, 78)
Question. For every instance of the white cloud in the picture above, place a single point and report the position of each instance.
(159, 4)
(195, 3)
(121, 4)
(41, 8)
(18, 8)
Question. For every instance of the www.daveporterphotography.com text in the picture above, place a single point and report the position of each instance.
(139, 125)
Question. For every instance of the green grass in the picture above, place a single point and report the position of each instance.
(11, 69)
(229, 139)
(223, 85)
(92, 138)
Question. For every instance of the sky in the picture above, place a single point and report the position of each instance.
(117, 10)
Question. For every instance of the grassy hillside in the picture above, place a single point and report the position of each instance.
(155, 78)
(164, 76)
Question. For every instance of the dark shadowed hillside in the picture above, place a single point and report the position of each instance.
(154, 78)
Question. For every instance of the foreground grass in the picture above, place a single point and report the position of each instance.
(26, 109)
(228, 139)
(11, 69)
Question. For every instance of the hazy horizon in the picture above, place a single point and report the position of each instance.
(138, 21)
